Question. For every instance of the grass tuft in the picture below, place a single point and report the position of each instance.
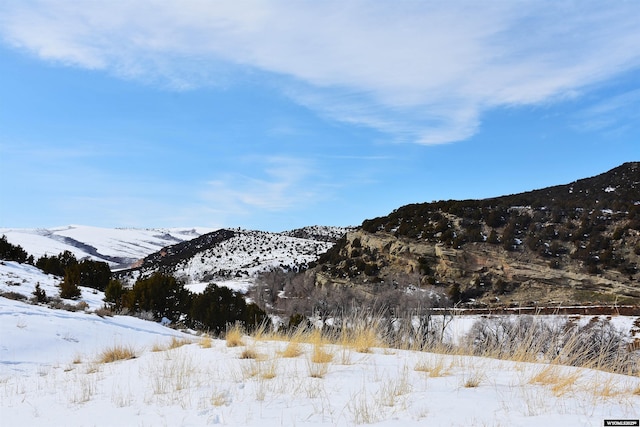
(234, 336)
(319, 355)
(251, 353)
(176, 343)
(115, 353)
(292, 350)
(206, 341)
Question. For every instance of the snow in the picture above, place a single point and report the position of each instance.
(50, 375)
(240, 285)
(248, 253)
(98, 243)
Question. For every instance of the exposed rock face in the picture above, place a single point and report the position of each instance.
(486, 272)
(573, 243)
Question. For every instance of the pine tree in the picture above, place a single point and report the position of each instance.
(69, 286)
(39, 294)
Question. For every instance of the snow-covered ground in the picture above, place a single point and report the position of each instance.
(50, 375)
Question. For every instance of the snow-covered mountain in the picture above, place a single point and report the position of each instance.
(236, 254)
(119, 247)
(195, 255)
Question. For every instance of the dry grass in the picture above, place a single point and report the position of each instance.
(320, 355)
(206, 341)
(363, 410)
(262, 332)
(317, 370)
(234, 336)
(269, 369)
(156, 347)
(176, 343)
(364, 340)
(251, 353)
(392, 389)
(220, 399)
(115, 353)
(473, 379)
(435, 368)
(561, 381)
(293, 349)
(546, 376)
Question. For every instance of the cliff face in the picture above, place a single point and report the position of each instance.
(576, 243)
(478, 273)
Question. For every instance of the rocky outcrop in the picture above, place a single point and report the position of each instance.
(484, 273)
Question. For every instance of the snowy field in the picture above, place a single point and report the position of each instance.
(51, 374)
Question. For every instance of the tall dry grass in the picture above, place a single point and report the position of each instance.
(527, 338)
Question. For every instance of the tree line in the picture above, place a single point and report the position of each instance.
(161, 296)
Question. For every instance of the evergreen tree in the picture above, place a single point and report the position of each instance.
(114, 294)
(160, 294)
(39, 294)
(94, 274)
(69, 286)
(218, 306)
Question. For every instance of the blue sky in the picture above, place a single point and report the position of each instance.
(274, 115)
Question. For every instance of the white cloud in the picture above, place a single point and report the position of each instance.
(277, 184)
(421, 71)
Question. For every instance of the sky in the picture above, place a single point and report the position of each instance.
(274, 115)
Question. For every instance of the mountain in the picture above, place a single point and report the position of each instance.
(119, 247)
(236, 254)
(573, 243)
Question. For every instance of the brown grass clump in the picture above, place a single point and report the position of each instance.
(364, 339)
(319, 355)
(251, 353)
(560, 382)
(317, 370)
(473, 379)
(156, 347)
(435, 368)
(175, 342)
(292, 349)
(234, 336)
(115, 353)
(206, 341)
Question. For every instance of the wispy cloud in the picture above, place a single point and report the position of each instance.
(423, 72)
(276, 184)
(611, 116)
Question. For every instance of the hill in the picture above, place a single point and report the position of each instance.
(119, 247)
(232, 255)
(573, 243)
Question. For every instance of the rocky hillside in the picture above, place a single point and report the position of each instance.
(237, 254)
(573, 243)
